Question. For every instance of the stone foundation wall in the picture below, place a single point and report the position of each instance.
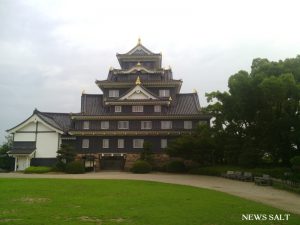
(130, 159)
(158, 160)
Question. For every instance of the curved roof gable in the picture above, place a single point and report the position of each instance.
(138, 92)
(58, 122)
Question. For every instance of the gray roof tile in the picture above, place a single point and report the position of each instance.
(184, 104)
(61, 121)
(23, 147)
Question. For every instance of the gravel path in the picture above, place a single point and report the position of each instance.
(270, 196)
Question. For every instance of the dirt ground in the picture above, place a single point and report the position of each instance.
(270, 196)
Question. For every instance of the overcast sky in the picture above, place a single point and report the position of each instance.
(51, 50)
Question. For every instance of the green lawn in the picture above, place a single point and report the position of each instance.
(105, 202)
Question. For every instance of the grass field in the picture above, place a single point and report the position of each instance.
(107, 202)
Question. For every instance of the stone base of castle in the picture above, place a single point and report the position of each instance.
(95, 161)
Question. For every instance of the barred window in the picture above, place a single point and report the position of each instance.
(113, 93)
(164, 93)
(104, 125)
(123, 124)
(166, 125)
(86, 125)
(85, 143)
(137, 108)
(163, 143)
(187, 125)
(146, 125)
(118, 108)
(138, 143)
(120, 143)
(105, 143)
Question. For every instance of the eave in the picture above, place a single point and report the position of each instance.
(103, 84)
(150, 102)
(141, 117)
(128, 133)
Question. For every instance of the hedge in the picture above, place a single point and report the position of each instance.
(75, 167)
(38, 169)
(141, 166)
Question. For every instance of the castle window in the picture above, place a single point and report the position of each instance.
(120, 143)
(146, 125)
(138, 143)
(85, 143)
(104, 125)
(163, 143)
(105, 143)
(164, 93)
(187, 125)
(157, 108)
(123, 124)
(137, 108)
(118, 108)
(113, 93)
(86, 125)
(166, 125)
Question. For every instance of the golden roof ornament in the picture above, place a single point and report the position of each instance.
(138, 64)
(170, 99)
(138, 81)
(195, 91)
(139, 41)
(111, 68)
(82, 92)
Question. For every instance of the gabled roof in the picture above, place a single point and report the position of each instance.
(139, 50)
(139, 68)
(183, 104)
(138, 90)
(60, 122)
(138, 54)
(92, 104)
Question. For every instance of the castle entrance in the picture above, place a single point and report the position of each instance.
(112, 161)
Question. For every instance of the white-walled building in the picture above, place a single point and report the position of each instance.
(37, 139)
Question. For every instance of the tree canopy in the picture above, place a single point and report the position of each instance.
(257, 120)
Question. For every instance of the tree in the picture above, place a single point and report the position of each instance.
(260, 114)
(198, 146)
(6, 162)
(146, 153)
(66, 154)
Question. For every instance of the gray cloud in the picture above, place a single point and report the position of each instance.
(51, 50)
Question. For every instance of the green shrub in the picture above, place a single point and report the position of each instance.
(38, 169)
(141, 166)
(75, 167)
(175, 167)
(295, 161)
(60, 166)
(276, 172)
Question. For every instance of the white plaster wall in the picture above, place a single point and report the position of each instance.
(42, 127)
(28, 127)
(26, 136)
(22, 163)
(47, 145)
(137, 96)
